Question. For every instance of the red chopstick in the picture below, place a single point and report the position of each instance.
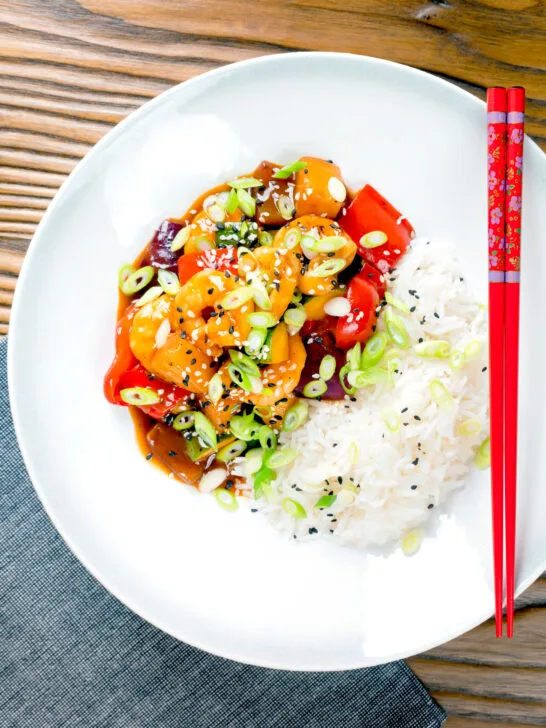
(514, 177)
(496, 168)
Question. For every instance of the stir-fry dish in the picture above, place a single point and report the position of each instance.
(265, 297)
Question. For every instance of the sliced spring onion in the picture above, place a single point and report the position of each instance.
(267, 438)
(338, 306)
(343, 372)
(244, 427)
(262, 476)
(329, 268)
(212, 479)
(293, 508)
(296, 296)
(168, 281)
(279, 458)
(365, 377)
(255, 340)
(352, 453)
(124, 273)
(391, 418)
(327, 367)
(262, 319)
(245, 183)
(265, 238)
(328, 244)
(231, 202)
(150, 295)
(440, 394)
(248, 382)
(269, 492)
(236, 298)
(253, 461)
(315, 388)
(216, 212)
(261, 296)
(264, 411)
(244, 362)
(294, 319)
(470, 427)
(396, 328)
(374, 350)
(457, 359)
(483, 455)
(230, 452)
(411, 543)
(137, 280)
(225, 499)
(472, 349)
(215, 388)
(246, 202)
(285, 206)
(439, 349)
(326, 501)
(292, 238)
(295, 416)
(288, 169)
(205, 430)
(139, 396)
(308, 243)
(247, 261)
(183, 421)
(400, 305)
(373, 239)
(181, 238)
(354, 355)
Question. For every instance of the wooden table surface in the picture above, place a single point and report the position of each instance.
(71, 70)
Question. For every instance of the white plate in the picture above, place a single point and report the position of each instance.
(227, 582)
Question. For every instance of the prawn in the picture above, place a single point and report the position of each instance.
(164, 353)
(316, 227)
(199, 315)
(279, 380)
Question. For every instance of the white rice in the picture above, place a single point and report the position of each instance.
(428, 452)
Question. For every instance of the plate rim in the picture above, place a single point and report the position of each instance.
(14, 337)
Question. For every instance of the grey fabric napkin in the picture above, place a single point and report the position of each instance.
(72, 656)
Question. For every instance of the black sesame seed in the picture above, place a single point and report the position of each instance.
(183, 335)
(404, 410)
(436, 315)
(149, 456)
(412, 309)
(193, 361)
(414, 487)
(312, 531)
(231, 329)
(484, 369)
(416, 417)
(210, 291)
(430, 506)
(189, 351)
(339, 479)
(254, 510)
(172, 453)
(415, 462)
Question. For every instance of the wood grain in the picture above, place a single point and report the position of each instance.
(71, 70)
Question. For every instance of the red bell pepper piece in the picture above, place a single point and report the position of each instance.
(218, 259)
(124, 358)
(125, 372)
(358, 324)
(370, 211)
(170, 394)
(378, 279)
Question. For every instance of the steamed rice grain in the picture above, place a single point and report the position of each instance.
(388, 482)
